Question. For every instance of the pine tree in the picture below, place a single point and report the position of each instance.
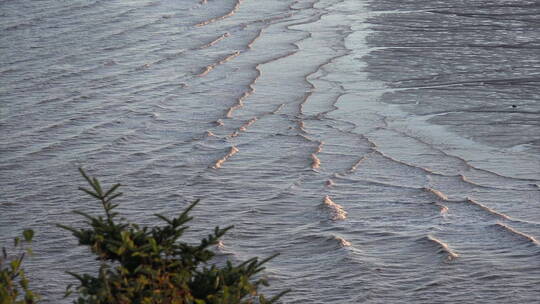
(153, 264)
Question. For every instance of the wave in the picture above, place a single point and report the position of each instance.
(329, 183)
(177, 54)
(307, 95)
(243, 128)
(302, 5)
(222, 160)
(324, 243)
(315, 161)
(239, 103)
(382, 154)
(489, 210)
(68, 10)
(342, 241)
(251, 89)
(355, 166)
(301, 126)
(525, 236)
(250, 44)
(212, 66)
(278, 109)
(437, 193)
(247, 124)
(230, 13)
(443, 208)
(464, 179)
(214, 42)
(463, 164)
(336, 211)
(443, 247)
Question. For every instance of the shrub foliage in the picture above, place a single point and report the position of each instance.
(153, 265)
(13, 282)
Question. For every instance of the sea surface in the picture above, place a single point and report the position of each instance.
(389, 149)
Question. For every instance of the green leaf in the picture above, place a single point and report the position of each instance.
(91, 218)
(110, 191)
(28, 235)
(114, 196)
(164, 218)
(81, 170)
(90, 192)
(68, 291)
(279, 295)
(77, 276)
(97, 186)
(15, 264)
(268, 258)
(67, 228)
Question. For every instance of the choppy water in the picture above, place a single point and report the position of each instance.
(388, 149)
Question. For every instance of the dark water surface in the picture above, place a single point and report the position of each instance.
(389, 150)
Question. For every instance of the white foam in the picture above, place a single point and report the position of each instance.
(222, 160)
(337, 212)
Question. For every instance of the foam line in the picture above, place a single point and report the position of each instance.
(220, 161)
(214, 42)
(450, 254)
(209, 68)
(230, 13)
(243, 128)
(278, 109)
(486, 208)
(355, 166)
(519, 233)
(437, 193)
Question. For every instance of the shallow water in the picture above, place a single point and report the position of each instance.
(389, 150)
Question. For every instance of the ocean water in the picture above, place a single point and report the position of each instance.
(389, 150)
